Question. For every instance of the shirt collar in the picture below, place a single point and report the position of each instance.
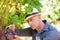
(45, 26)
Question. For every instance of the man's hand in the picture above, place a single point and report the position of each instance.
(17, 37)
(11, 37)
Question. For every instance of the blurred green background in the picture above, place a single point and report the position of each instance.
(14, 11)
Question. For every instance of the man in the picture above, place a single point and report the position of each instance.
(41, 29)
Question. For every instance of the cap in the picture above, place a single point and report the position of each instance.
(35, 12)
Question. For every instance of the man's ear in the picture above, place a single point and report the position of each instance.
(39, 15)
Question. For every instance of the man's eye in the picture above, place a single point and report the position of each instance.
(30, 19)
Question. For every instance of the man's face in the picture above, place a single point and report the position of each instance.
(34, 21)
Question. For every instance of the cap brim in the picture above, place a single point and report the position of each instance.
(31, 16)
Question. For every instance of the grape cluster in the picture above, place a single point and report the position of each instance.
(10, 32)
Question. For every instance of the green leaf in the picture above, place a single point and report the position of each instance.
(15, 19)
(38, 8)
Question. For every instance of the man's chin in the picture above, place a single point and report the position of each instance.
(33, 28)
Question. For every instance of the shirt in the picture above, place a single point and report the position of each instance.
(47, 33)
